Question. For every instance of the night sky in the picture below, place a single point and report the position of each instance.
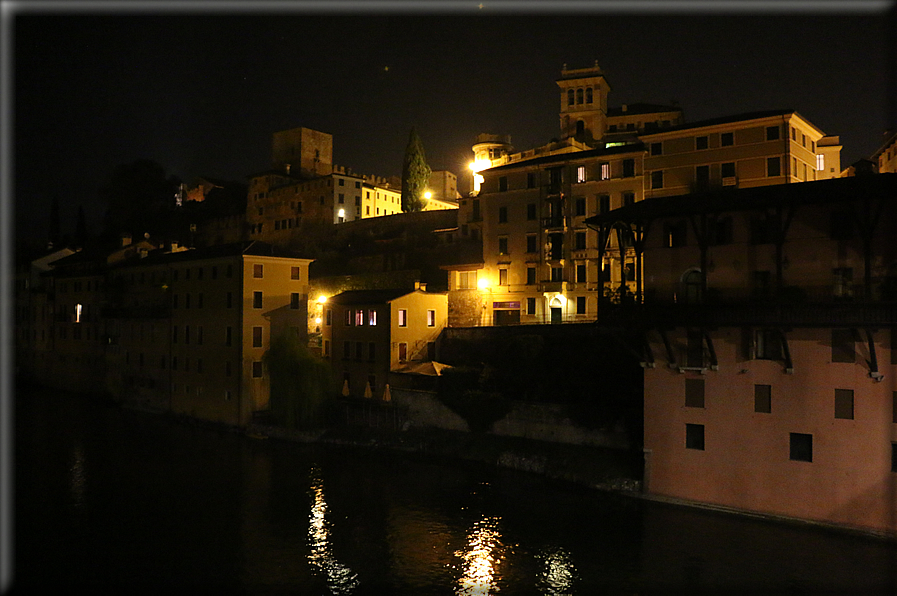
(201, 92)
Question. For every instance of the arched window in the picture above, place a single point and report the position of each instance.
(588, 95)
(569, 97)
(579, 96)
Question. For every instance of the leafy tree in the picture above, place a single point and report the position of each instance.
(299, 382)
(415, 174)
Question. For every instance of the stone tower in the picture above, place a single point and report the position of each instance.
(583, 103)
(302, 152)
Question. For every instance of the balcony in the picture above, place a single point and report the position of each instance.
(553, 286)
(554, 224)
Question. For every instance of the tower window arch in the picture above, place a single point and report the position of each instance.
(569, 97)
(579, 96)
(588, 95)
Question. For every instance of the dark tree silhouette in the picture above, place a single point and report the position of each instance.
(415, 174)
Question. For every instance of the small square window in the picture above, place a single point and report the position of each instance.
(701, 143)
(844, 404)
(801, 447)
(772, 133)
(694, 436)
(694, 393)
(257, 270)
(294, 272)
(656, 149)
(727, 139)
(763, 399)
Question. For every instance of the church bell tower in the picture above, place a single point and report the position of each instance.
(583, 111)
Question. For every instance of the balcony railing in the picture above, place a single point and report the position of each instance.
(554, 223)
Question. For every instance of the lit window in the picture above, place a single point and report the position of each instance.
(820, 162)
(581, 174)
(359, 317)
(372, 318)
(77, 313)
(605, 171)
(431, 318)
(403, 317)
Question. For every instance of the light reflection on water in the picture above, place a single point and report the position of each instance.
(77, 476)
(482, 558)
(340, 579)
(558, 574)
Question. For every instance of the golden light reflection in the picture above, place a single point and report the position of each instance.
(482, 558)
(558, 573)
(77, 476)
(340, 579)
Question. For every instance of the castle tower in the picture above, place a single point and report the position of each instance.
(489, 151)
(302, 152)
(583, 103)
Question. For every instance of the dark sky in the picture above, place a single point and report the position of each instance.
(202, 92)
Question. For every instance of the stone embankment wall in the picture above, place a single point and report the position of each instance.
(541, 422)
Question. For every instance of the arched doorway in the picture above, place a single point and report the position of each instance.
(693, 286)
(556, 308)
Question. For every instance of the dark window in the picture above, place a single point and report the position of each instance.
(773, 166)
(502, 183)
(502, 215)
(694, 352)
(502, 277)
(228, 336)
(628, 168)
(256, 337)
(294, 272)
(530, 276)
(603, 203)
(359, 350)
(702, 177)
(675, 234)
(531, 180)
(772, 133)
(372, 350)
(580, 240)
(657, 179)
(256, 370)
(844, 404)
(257, 270)
(580, 206)
(694, 393)
(628, 198)
(701, 142)
(801, 447)
(727, 169)
(768, 344)
(557, 274)
(843, 345)
(763, 399)
(503, 245)
(894, 457)
(347, 350)
(531, 244)
(294, 300)
(726, 139)
(580, 273)
(229, 300)
(256, 300)
(531, 309)
(531, 211)
(656, 149)
(694, 436)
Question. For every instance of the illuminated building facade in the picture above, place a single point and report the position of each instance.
(768, 337)
(541, 262)
(369, 333)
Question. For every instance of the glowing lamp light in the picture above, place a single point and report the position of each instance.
(480, 164)
(322, 299)
(342, 213)
(427, 195)
(317, 320)
(483, 283)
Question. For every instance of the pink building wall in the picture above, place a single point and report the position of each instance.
(746, 461)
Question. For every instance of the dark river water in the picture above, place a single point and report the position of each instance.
(123, 502)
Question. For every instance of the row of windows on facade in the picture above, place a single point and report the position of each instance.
(401, 350)
(843, 400)
(727, 139)
(761, 230)
(579, 96)
(257, 300)
(185, 365)
(361, 316)
(150, 277)
(557, 275)
(556, 208)
(800, 445)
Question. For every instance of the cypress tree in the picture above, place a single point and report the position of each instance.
(415, 174)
